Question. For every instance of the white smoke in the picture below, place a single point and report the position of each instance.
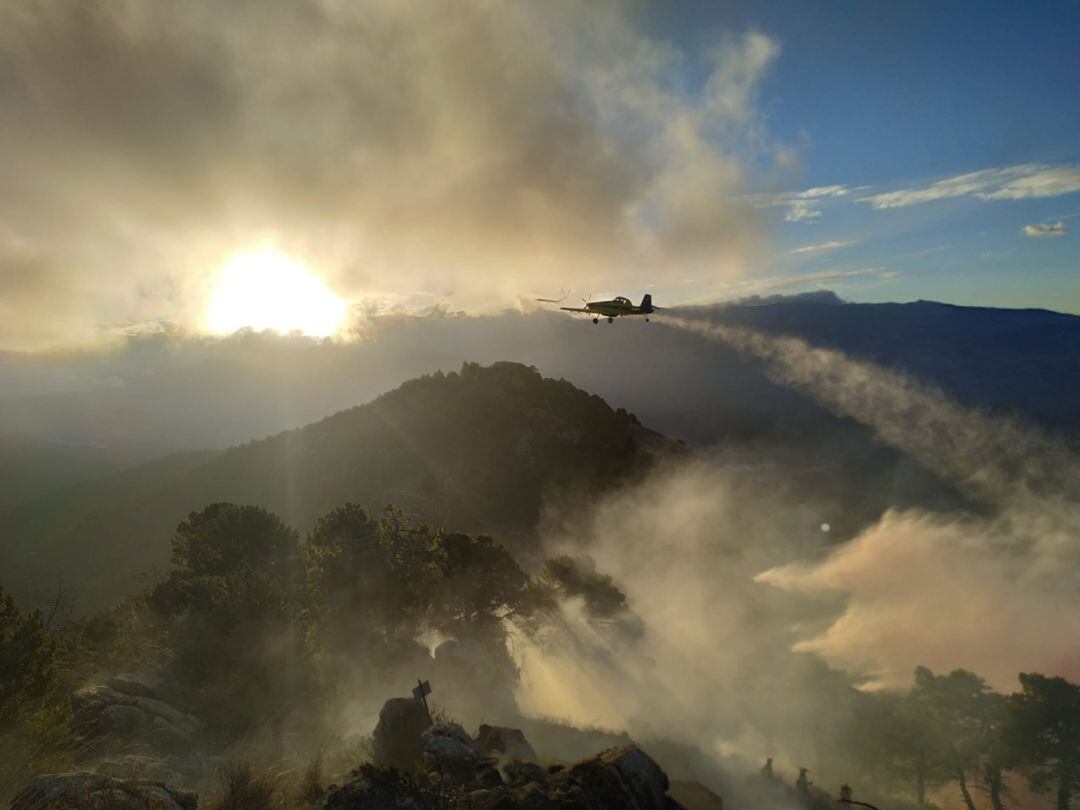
(995, 592)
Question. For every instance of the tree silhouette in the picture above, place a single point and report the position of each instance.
(232, 597)
(1044, 730)
(968, 716)
(27, 659)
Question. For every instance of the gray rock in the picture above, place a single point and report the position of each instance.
(694, 796)
(452, 731)
(524, 773)
(90, 791)
(371, 790)
(505, 743)
(137, 684)
(397, 739)
(624, 777)
(115, 720)
(447, 756)
(450, 751)
(134, 766)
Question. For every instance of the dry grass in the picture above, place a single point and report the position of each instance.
(245, 788)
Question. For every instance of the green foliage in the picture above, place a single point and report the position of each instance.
(966, 719)
(383, 582)
(27, 659)
(1044, 732)
(35, 727)
(231, 597)
(577, 576)
(606, 604)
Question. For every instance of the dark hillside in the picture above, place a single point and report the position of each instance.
(478, 450)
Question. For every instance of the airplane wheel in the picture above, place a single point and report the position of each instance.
(596, 320)
(611, 320)
(646, 320)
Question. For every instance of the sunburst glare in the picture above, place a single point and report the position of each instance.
(267, 290)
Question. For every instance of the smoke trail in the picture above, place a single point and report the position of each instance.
(992, 457)
(994, 593)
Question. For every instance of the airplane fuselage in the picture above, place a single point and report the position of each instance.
(615, 308)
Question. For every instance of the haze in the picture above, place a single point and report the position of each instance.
(291, 418)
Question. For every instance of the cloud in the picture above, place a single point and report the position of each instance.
(1008, 183)
(802, 205)
(388, 146)
(801, 211)
(821, 247)
(774, 283)
(1046, 229)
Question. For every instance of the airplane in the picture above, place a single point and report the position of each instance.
(614, 308)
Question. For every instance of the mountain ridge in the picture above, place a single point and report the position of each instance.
(478, 450)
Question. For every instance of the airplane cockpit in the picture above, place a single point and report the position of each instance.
(621, 300)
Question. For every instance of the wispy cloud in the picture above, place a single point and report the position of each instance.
(1007, 183)
(1046, 229)
(802, 205)
(800, 211)
(774, 283)
(822, 247)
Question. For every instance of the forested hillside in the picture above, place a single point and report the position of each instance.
(477, 450)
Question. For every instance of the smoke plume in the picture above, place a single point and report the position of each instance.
(980, 592)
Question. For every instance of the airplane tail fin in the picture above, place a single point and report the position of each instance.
(646, 303)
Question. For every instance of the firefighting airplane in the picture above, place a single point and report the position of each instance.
(611, 310)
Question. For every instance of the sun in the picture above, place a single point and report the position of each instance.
(267, 290)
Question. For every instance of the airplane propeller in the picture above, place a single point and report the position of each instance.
(559, 300)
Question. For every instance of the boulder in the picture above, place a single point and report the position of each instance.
(372, 789)
(624, 777)
(397, 739)
(134, 766)
(694, 795)
(519, 773)
(505, 743)
(112, 719)
(453, 732)
(91, 791)
(450, 751)
(137, 684)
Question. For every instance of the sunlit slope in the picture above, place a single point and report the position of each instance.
(478, 450)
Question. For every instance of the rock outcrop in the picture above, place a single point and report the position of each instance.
(89, 791)
(505, 743)
(617, 779)
(694, 795)
(397, 740)
(373, 789)
(449, 750)
(127, 714)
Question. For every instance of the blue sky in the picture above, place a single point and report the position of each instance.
(893, 96)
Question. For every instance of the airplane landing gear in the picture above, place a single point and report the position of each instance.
(611, 320)
(596, 320)
(646, 319)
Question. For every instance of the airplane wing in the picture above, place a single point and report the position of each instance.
(574, 309)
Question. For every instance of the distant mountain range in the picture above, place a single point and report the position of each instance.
(1026, 361)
